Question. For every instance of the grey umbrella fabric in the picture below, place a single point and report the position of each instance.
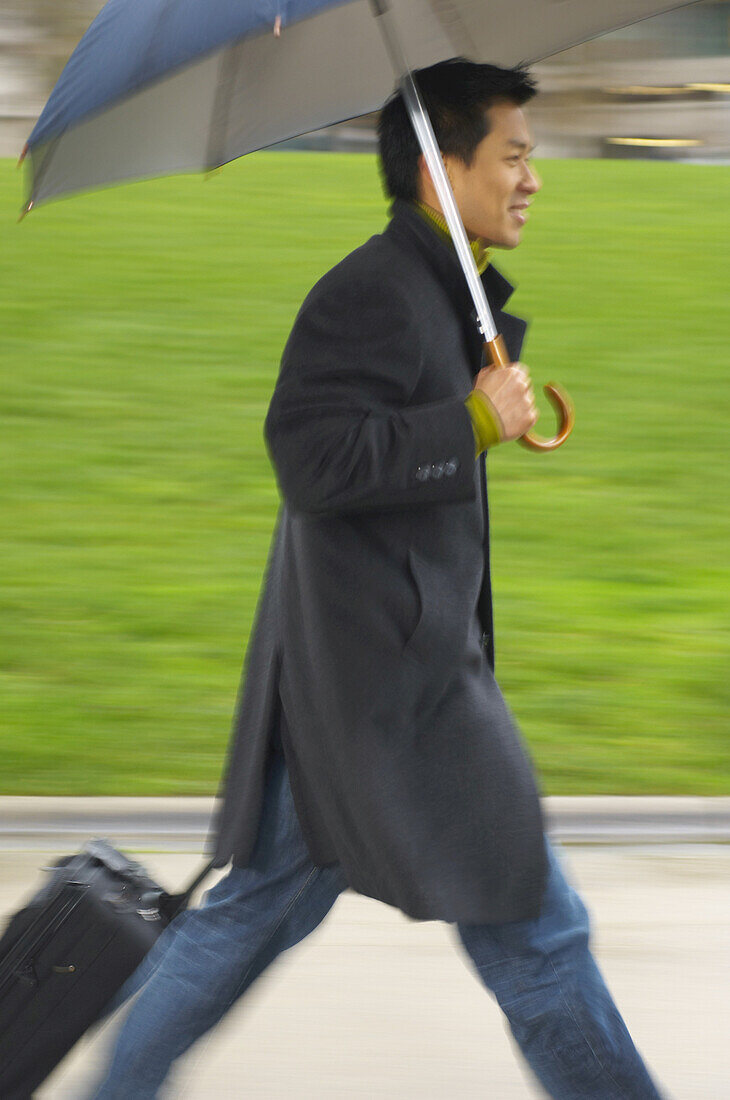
(181, 85)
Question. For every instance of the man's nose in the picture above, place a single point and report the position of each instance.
(531, 182)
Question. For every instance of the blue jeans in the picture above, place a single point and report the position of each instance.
(540, 971)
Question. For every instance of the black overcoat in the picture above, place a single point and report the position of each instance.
(371, 659)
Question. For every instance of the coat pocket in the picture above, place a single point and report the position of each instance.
(439, 636)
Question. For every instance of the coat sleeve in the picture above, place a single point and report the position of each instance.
(343, 431)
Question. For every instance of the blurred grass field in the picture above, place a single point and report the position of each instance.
(140, 332)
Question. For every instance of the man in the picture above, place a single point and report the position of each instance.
(373, 747)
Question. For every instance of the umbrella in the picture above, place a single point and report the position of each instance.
(177, 85)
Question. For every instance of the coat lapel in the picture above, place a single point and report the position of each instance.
(411, 230)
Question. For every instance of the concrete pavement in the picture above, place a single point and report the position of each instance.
(182, 823)
(374, 1005)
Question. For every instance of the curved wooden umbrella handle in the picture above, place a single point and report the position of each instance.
(558, 398)
(565, 411)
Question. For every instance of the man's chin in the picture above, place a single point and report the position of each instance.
(510, 238)
(507, 242)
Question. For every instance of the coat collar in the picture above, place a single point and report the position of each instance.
(410, 228)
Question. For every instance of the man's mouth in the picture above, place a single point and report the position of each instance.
(519, 212)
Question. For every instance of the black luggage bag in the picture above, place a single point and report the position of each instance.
(68, 952)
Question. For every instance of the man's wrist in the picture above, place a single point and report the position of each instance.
(484, 421)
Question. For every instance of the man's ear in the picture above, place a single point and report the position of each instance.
(427, 191)
(447, 166)
(424, 178)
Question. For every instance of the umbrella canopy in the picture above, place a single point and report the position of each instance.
(179, 85)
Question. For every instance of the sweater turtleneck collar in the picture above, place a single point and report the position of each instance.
(480, 252)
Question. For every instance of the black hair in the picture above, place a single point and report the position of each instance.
(456, 94)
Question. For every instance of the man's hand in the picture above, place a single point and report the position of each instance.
(509, 392)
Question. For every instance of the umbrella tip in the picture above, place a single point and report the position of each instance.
(26, 210)
(23, 155)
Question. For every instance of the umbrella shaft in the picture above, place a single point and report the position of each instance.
(427, 140)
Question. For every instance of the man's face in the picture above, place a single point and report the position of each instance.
(495, 190)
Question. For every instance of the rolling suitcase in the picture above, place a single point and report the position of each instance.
(67, 953)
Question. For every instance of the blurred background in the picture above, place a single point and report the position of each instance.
(660, 88)
(140, 333)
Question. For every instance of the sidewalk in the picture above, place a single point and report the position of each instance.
(373, 1005)
(181, 824)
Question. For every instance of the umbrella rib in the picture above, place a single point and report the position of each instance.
(214, 156)
(39, 166)
(453, 27)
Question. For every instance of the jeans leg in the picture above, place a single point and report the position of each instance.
(561, 1014)
(207, 958)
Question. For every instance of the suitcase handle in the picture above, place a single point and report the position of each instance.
(169, 905)
(116, 861)
(172, 904)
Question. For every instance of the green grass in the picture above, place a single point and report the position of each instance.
(140, 331)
